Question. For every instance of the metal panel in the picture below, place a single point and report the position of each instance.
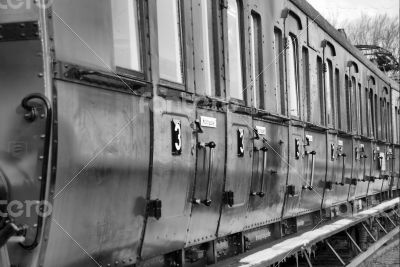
(172, 179)
(315, 170)
(296, 173)
(18, 11)
(365, 154)
(21, 144)
(209, 179)
(83, 32)
(102, 176)
(343, 172)
(238, 174)
(333, 161)
(268, 209)
(375, 184)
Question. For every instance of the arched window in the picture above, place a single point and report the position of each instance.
(293, 75)
(235, 50)
(330, 95)
(348, 103)
(372, 113)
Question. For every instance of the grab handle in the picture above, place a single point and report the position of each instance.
(261, 193)
(343, 168)
(211, 145)
(313, 153)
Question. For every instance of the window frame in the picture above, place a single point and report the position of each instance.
(242, 54)
(280, 72)
(257, 58)
(181, 18)
(295, 41)
(144, 74)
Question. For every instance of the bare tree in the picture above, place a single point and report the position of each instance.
(379, 30)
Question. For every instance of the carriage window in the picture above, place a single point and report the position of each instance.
(329, 92)
(203, 43)
(126, 34)
(372, 113)
(353, 106)
(235, 51)
(388, 124)
(320, 85)
(292, 64)
(279, 78)
(338, 100)
(367, 112)
(383, 128)
(396, 125)
(376, 108)
(348, 103)
(169, 40)
(359, 110)
(256, 61)
(306, 81)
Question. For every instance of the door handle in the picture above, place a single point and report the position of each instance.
(310, 185)
(255, 149)
(261, 193)
(343, 168)
(211, 145)
(365, 159)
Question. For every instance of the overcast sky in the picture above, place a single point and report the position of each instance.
(341, 10)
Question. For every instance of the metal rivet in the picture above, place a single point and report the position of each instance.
(40, 178)
(40, 74)
(41, 157)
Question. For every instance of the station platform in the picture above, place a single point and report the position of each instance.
(283, 248)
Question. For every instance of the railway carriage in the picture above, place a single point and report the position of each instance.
(183, 133)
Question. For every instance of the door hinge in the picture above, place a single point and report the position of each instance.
(154, 208)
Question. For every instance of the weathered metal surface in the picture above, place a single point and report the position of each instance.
(208, 186)
(238, 174)
(103, 181)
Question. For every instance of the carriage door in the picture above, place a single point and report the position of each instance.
(315, 170)
(356, 170)
(331, 187)
(238, 175)
(209, 177)
(343, 172)
(296, 173)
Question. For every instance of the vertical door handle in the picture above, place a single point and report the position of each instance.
(313, 153)
(211, 145)
(261, 193)
(343, 168)
(255, 149)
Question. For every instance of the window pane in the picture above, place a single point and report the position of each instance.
(256, 61)
(348, 103)
(338, 100)
(126, 34)
(279, 77)
(321, 90)
(203, 45)
(306, 81)
(329, 92)
(372, 113)
(169, 40)
(293, 76)
(354, 104)
(360, 114)
(235, 57)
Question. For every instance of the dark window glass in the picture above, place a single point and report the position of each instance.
(306, 81)
(359, 110)
(348, 102)
(330, 94)
(338, 100)
(321, 90)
